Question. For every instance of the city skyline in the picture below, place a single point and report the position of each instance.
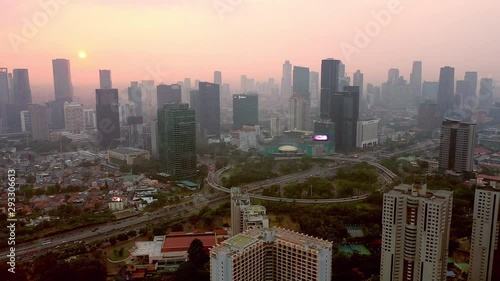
(144, 61)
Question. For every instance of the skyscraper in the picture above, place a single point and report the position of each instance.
(485, 250)
(393, 75)
(301, 82)
(245, 110)
(330, 83)
(63, 87)
(415, 233)
(277, 126)
(344, 112)
(271, 254)
(25, 121)
(462, 89)
(429, 116)
(243, 84)
(314, 85)
(177, 140)
(21, 97)
(89, 118)
(4, 87)
(21, 90)
(430, 90)
(446, 90)
(107, 117)
(105, 79)
(299, 110)
(286, 80)
(456, 148)
(39, 122)
(73, 117)
(218, 78)
(168, 94)
(485, 93)
(416, 81)
(186, 89)
(358, 81)
(209, 121)
(4, 98)
(148, 104)
(471, 77)
(135, 96)
(56, 114)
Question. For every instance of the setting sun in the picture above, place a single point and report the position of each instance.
(82, 55)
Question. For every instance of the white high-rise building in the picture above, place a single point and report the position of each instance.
(89, 118)
(485, 248)
(25, 121)
(271, 254)
(367, 135)
(456, 148)
(74, 121)
(277, 126)
(299, 109)
(415, 233)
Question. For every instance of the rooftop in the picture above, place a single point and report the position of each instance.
(180, 241)
(128, 150)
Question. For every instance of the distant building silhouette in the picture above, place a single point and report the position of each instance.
(299, 110)
(105, 79)
(358, 81)
(208, 105)
(301, 81)
(218, 78)
(135, 96)
(416, 82)
(39, 122)
(330, 84)
(486, 93)
(446, 90)
(168, 94)
(314, 85)
(63, 87)
(107, 117)
(286, 80)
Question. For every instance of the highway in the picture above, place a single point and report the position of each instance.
(106, 230)
(99, 232)
(213, 179)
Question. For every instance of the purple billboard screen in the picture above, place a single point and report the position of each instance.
(320, 137)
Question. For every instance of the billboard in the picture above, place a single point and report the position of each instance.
(320, 137)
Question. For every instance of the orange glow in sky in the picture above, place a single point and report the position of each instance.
(169, 40)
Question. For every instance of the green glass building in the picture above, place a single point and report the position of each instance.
(177, 140)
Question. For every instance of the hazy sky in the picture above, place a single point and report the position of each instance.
(171, 39)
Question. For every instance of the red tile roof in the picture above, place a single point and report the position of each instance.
(181, 241)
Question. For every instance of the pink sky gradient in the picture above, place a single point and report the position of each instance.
(187, 38)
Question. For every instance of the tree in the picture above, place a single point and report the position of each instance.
(177, 227)
(112, 240)
(194, 268)
(197, 254)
